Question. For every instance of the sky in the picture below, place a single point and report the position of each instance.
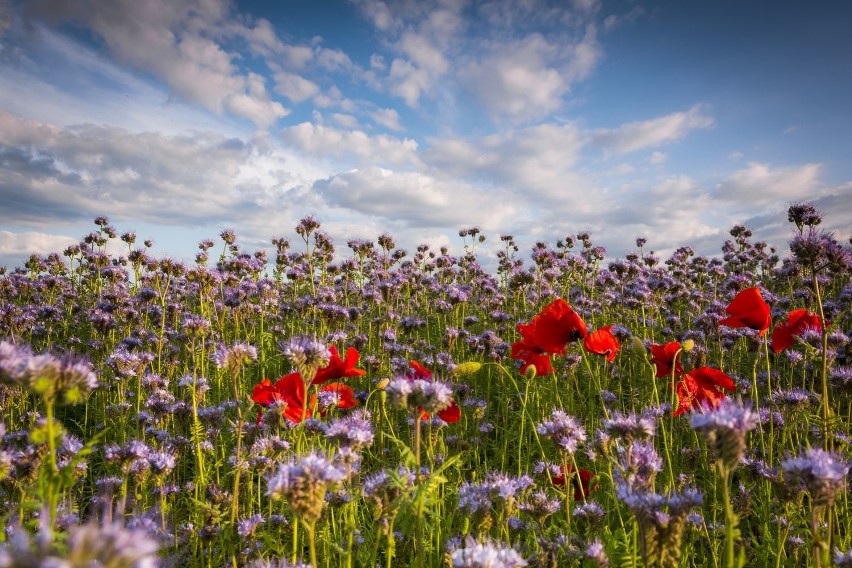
(664, 119)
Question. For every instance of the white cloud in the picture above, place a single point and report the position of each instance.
(760, 185)
(657, 157)
(179, 43)
(537, 159)
(32, 242)
(325, 142)
(388, 118)
(415, 199)
(651, 133)
(295, 87)
(51, 174)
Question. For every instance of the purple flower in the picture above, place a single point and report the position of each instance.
(820, 473)
(563, 429)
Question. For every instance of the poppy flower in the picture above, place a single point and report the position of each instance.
(580, 481)
(338, 368)
(602, 342)
(264, 394)
(532, 355)
(553, 328)
(702, 387)
(452, 413)
(664, 356)
(291, 389)
(798, 322)
(748, 309)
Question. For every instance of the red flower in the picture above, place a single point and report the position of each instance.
(452, 413)
(798, 322)
(338, 368)
(553, 328)
(291, 389)
(664, 356)
(264, 394)
(748, 309)
(702, 387)
(580, 482)
(602, 342)
(419, 371)
(532, 355)
(547, 334)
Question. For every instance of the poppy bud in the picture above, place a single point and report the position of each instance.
(382, 384)
(467, 368)
(529, 374)
(688, 345)
(636, 346)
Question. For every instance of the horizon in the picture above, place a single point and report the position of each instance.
(536, 118)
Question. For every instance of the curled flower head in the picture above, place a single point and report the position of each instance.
(234, 357)
(566, 431)
(66, 379)
(820, 473)
(485, 554)
(429, 396)
(725, 428)
(306, 354)
(303, 482)
(798, 323)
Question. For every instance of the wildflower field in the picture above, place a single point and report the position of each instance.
(371, 406)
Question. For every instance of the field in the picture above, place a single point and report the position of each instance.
(370, 406)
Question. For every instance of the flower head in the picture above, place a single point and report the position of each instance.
(563, 429)
(303, 482)
(547, 334)
(725, 427)
(485, 554)
(702, 387)
(602, 342)
(798, 323)
(820, 473)
(748, 309)
(338, 368)
(665, 359)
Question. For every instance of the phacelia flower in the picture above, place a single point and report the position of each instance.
(798, 322)
(725, 428)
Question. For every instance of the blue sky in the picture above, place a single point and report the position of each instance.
(177, 118)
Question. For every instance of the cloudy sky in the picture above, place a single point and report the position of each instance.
(665, 119)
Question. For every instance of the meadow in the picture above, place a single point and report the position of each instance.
(371, 406)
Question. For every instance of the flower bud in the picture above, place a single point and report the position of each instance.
(530, 373)
(688, 345)
(467, 368)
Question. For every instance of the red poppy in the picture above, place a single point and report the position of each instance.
(452, 413)
(547, 334)
(419, 371)
(702, 387)
(580, 482)
(602, 342)
(291, 389)
(532, 355)
(748, 309)
(553, 328)
(798, 322)
(664, 356)
(338, 368)
(264, 394)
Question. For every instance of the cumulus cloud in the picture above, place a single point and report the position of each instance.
(295, 87)
(181, 43)
(325, 141)
(50, 173)
(651, 133)
(759, 185)
(537, 159)
(416, 199)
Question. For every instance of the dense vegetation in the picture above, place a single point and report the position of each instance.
(403, 409)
